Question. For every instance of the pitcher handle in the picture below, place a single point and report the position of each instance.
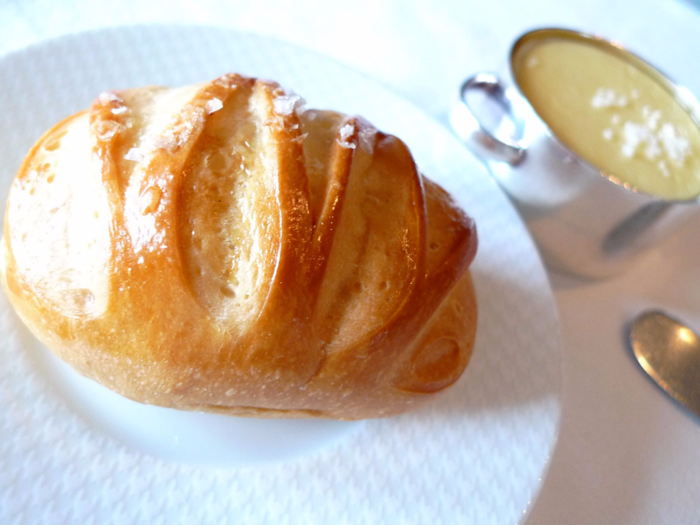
(471, 130)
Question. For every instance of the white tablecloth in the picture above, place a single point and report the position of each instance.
(626, 455)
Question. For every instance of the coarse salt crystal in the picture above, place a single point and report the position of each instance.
(213, 105)
(664, 169)
(608, 134)
(603, 98)
(106, 97)
(653, 149)
(627, 150)
(346, 132)
(134, 154)
(301, 138)
(284, 104)
(656, 143)
(677, 148)
(119, 110)
(636, 135)
(633, 134)
(653, 119)
(167, 142)
(606, 98)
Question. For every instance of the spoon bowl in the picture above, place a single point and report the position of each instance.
(669, 352)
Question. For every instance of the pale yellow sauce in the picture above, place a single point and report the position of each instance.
(612, 114)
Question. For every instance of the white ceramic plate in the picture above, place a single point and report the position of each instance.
(73, 452)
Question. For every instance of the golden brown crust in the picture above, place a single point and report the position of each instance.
(214, 248)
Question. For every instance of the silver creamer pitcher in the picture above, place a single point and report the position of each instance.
(585, 222)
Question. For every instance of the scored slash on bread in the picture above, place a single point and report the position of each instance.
(219, 248)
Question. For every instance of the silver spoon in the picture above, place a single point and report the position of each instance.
(669, 352)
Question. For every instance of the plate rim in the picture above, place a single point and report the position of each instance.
(76, 36)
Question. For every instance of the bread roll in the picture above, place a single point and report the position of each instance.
(218, 248)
